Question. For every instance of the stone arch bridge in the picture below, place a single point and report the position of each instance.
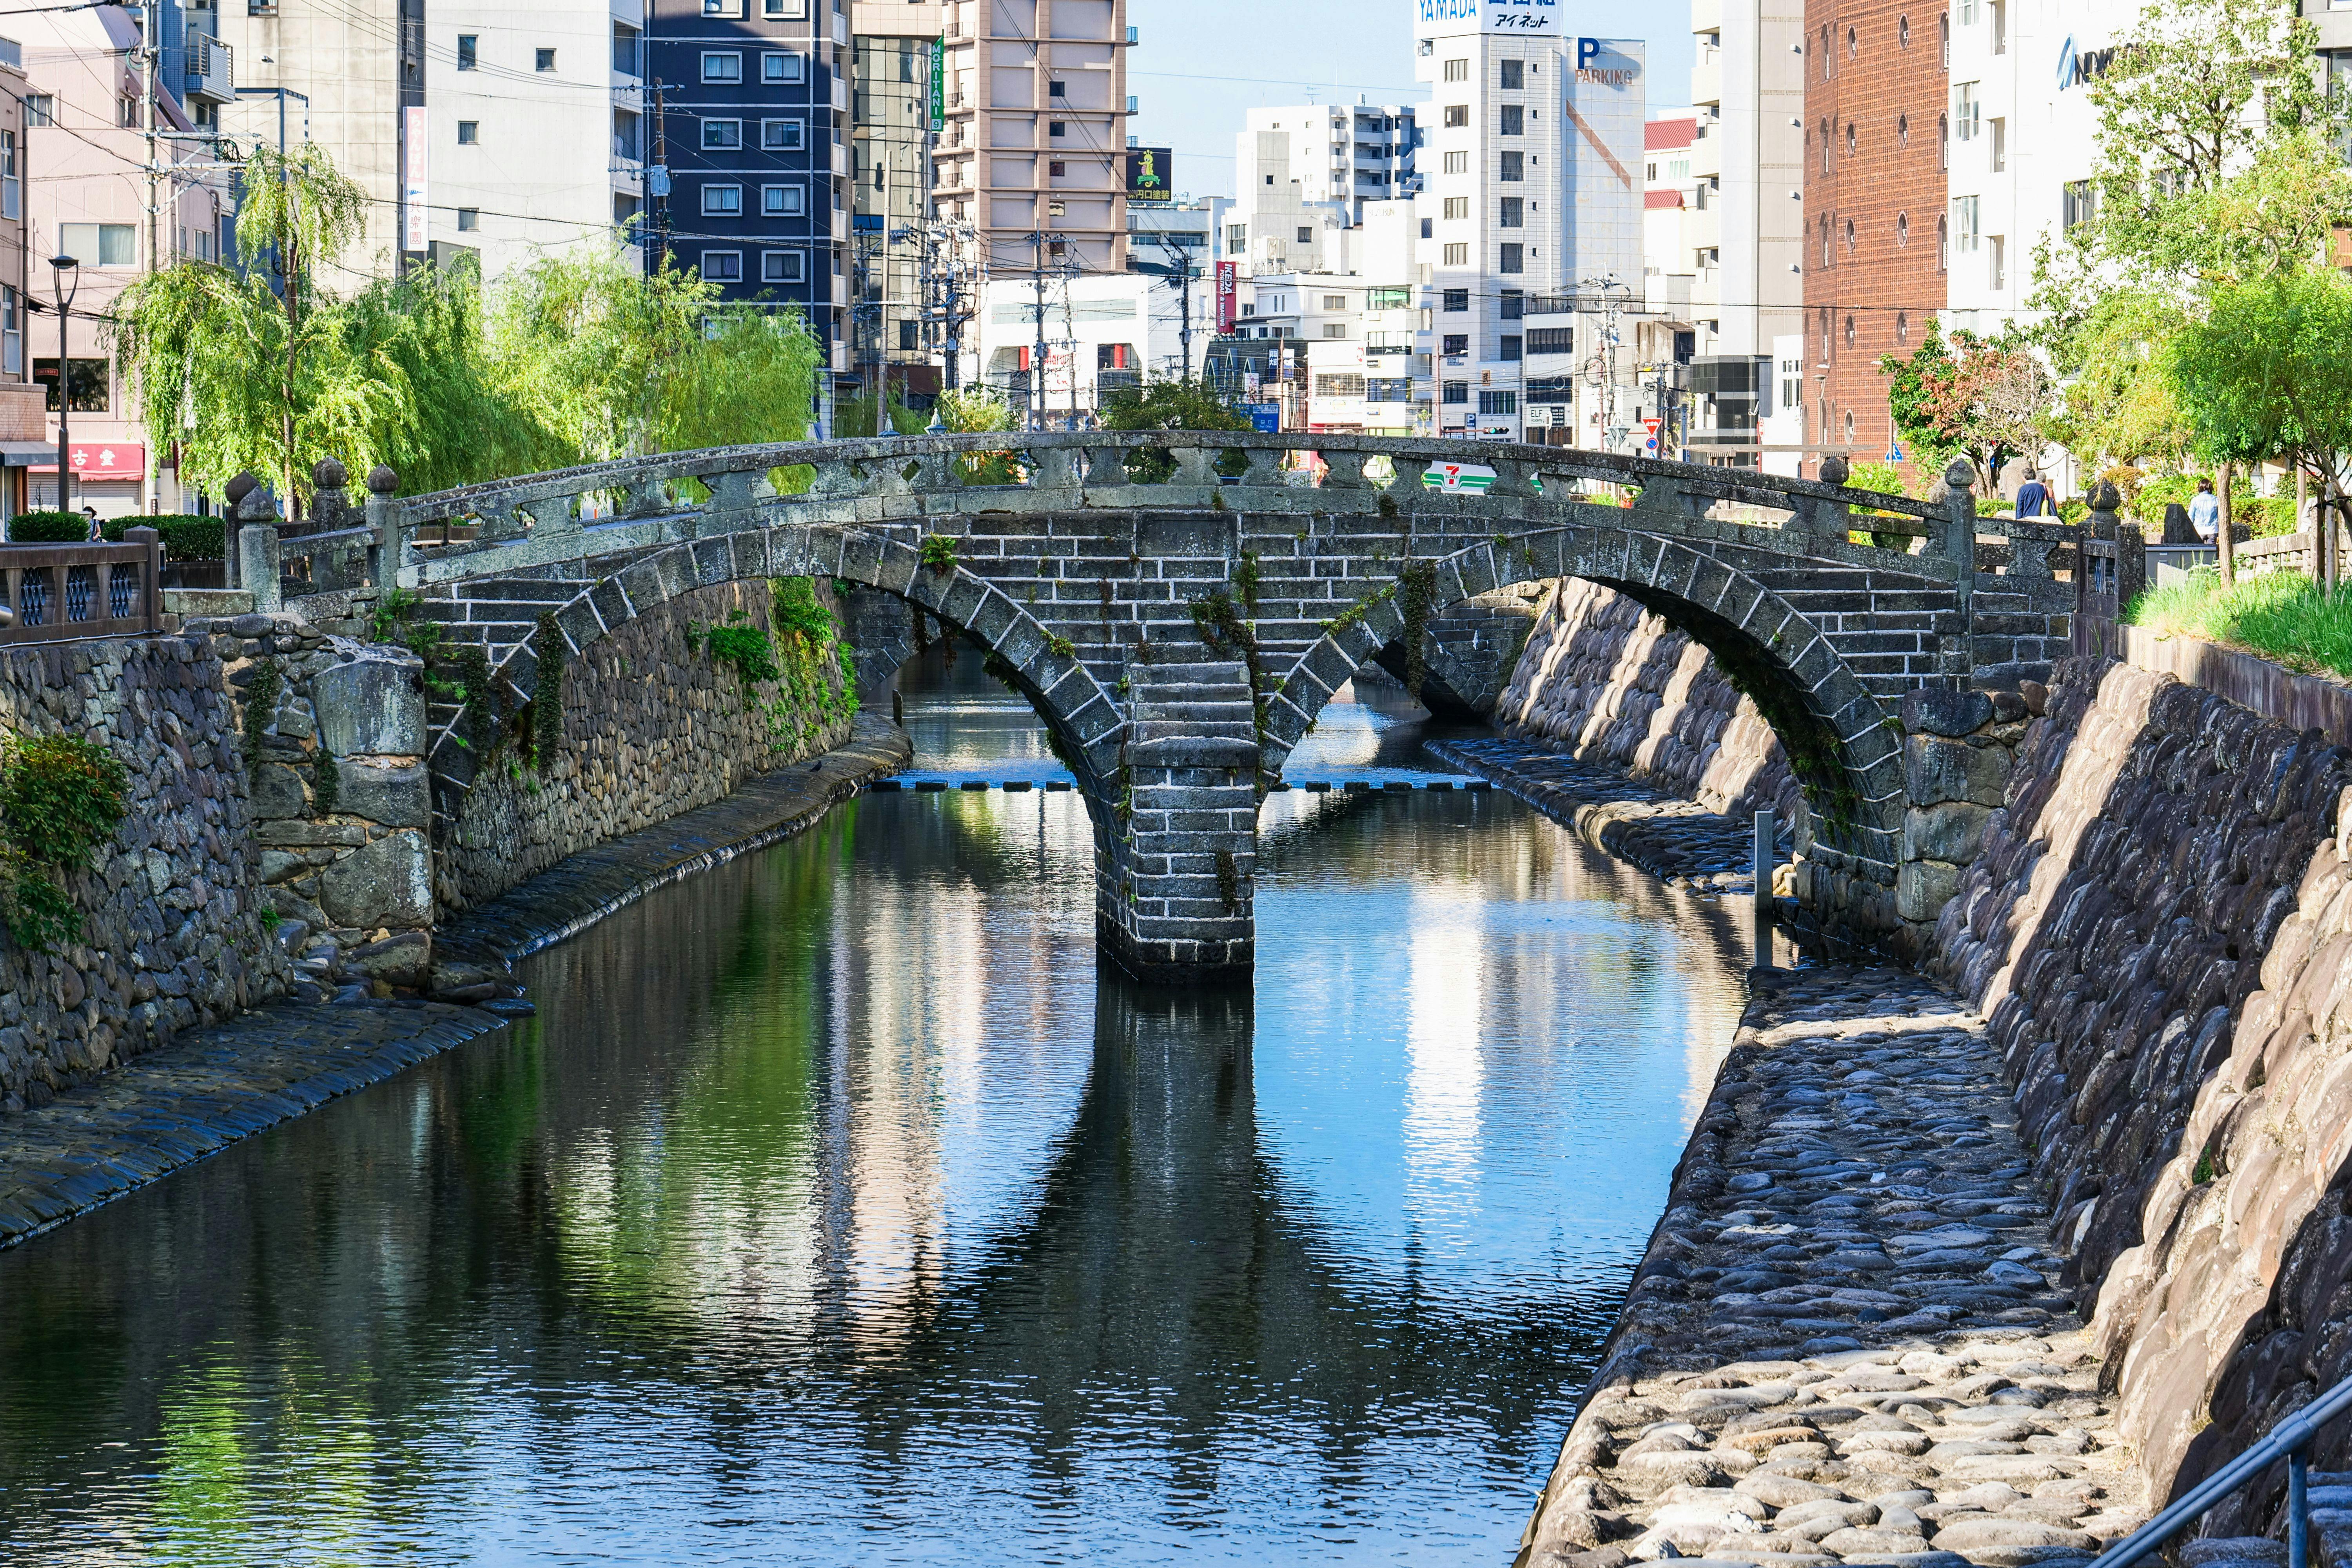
(1178, 606)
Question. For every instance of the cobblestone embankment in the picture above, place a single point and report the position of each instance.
(1844, 1343)
(176, 1106)
(1680, 840)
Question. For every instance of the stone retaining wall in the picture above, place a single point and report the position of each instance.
(2154, 930)
(1610, 682)
(171, 933)
(652, 727)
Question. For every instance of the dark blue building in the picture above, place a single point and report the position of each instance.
(748, 116)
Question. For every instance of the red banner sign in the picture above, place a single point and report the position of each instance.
(103, 460)
(1227, 287)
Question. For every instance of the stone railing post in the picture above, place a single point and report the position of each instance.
(384, 517)
(255, 515)
(329, 508)
(1955, 491)
(1823, 517)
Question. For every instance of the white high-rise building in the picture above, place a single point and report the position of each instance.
(1310, 168)
(1530, 209)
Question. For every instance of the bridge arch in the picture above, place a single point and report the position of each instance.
(1833, 731)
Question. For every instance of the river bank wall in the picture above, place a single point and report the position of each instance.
(2147, 965)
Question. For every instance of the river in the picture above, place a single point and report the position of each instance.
(838, 1208)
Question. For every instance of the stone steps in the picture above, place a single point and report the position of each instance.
(1197, 714)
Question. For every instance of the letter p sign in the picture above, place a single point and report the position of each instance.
(1586, 48)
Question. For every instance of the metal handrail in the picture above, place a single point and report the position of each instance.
(2290, 1440)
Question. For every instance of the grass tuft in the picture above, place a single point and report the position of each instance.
(2279, 616)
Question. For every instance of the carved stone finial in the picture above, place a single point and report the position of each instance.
(238, 489)
(383, 480)
(1834, 471)
(329, 474)
(1961, 474)
(2104, 497)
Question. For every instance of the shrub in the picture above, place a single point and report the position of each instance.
(185, 537)
(2281, 615)
(48, 528)
(60, 797)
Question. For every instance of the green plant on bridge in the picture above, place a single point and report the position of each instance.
(1416, 587)
(739, 645)
(398, 618)
(551, 651)
(938, 553)
(61, 796)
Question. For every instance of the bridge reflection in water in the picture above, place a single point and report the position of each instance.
(837, 1208)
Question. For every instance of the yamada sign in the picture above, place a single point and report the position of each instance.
(1447, 18)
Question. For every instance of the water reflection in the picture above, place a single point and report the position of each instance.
(837, 1209)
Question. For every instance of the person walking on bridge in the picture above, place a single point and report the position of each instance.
(2034, 496)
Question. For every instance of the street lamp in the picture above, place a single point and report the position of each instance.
(61, 267)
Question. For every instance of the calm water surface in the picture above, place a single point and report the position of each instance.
(838, 1209)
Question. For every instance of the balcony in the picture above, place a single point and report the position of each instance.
(212, 74)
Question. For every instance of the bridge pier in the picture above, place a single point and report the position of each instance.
(1176, 847)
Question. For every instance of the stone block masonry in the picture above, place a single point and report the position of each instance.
(653, 726)
(172, 929)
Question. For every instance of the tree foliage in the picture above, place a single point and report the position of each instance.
(2265, 374)
(1170, 405)
(1973, 396)
(575, 359)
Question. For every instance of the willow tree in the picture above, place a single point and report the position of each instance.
(248, 367)
(614, 361)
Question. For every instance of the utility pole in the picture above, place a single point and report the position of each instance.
(658, 184)
(1038, 349)
(147, 22)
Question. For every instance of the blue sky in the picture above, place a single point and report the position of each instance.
(1200, 63)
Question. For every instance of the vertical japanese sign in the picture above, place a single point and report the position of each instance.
(1227, 286)
(413, 227)
(938, 83)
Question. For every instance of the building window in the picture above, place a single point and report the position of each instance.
(1498, 403)
(88, 383)
(1335, 301)
(2078, 203)
(1057, 90)
(1514, 258)
(722, 266)
(1457, 207)
(1457, 256)
(783, 201)
(1335, 328)
(1457, 162)
(1853, 43)
(106, 244)
(1514, 120)
(1454, 392)
(1513, 76)
(783, 135)
(1511, 211)
(1457, 71)
(1997, 261)
(1454, 300)
(1306, 237)
(781, 67)
(1902, 228)
(1964, 223)
(469, 220)
(722, 135)
(782, 266)
(1902, 326)
(1849, 426)
(1061, 128)
(1825, 146)
(11, 180)
(468, 52)
(1965, 110)
(1825, 56)
(1943, 246)
(722, 201)
(546, 59)
(1457, 114)
(1514, 305)
(1944, 36)
(1902, 32)
(1825, 239)
(1849, 332)
(722, 8)
(1903, 131)
(1943, 141)
(1510, 351)
(12, 331)
(470, 132)
(1552, 340)
(722, 65)
(1515, 166)
(786, 10)
(1849, 139)
(1849, 237)
(1454, 344)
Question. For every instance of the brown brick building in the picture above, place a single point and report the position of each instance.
(1878, 131)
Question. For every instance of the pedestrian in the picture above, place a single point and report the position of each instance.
(2205, 513)
(2034, 496)
(89, 515)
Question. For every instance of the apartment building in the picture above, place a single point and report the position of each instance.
(1531, 173)
(749, 99)
(533, 129)
(71, 173)
(1033, 152)
(1878, 239)
(897, 261)
(1305, 174)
